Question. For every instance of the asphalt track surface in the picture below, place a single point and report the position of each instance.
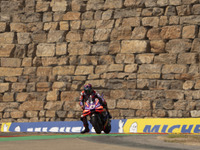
(17, 141)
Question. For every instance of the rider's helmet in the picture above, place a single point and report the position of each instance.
(88, 89)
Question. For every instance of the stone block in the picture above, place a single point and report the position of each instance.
(61, 48)
(75, 25)
(49, 61)
(151, 3)
(192, 19)
(140, 104)
(45, 50)
(63, 70)
(131, 22)
(74, 36)
(54, 105)
(7, 38)
(27, 62)
(44, 71)
(196, 45)
(113, 4)
(121, 33)
(101, 69)
(64, 25)
(130, 3)
(52, 95)
(43, 86)
(154, 34)
(61, 86)
(175, 2)
(102, 34)
(134, 46)
(72, 16)
(175, 113)
(106, 59)
(184, 10)
(69, 95)
(185, 2)
(88, 60)
(78, 5)
(115, 67)
(50, 113)
(114, 47)
(42, 6)
(190, 32)
(131, 68)
(88, 35)
(6, 50)
(196, 9)
(31, 106)
(10, 62)
(95, 5)
(105, 24)
(88, 24)
(22, 97)
(170, 11)
(100, 48)
(139, 33)
(50, 26)
(8, 97)
(107, 15)
(187, 58)
(150, 68)
(188, 85)
(143, 113)
(174, 68)
(171, 32)
(174, 94)
(117, 94)
(157, 46)
(123, 103)
(79, 48)
(19, 87)
(10, 71)
(150, 21)
(174, 20)
(144, 58)
(4, 87)
(125, 58)
(56, 36)
(147, 12)
(162, 3)
(39, 37)
(178, 45)
(47, 17)
(195, 113)
(17, 114)
(84, 70)
(3, 26)
(31, 114)
(58, 6)
(165, 59)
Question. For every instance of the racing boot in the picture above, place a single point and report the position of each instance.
(86, 130)
(85, 124)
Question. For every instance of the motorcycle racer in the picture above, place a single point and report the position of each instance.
(85, 95)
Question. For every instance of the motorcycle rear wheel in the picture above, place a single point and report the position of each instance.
(96, 123)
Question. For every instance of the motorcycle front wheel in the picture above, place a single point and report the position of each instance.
(96, 123)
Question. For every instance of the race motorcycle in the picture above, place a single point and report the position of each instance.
(98, 115)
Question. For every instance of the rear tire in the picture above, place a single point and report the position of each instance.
(96, 123)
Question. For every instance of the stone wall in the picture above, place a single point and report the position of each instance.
(142, 54)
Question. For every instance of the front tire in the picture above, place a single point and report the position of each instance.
(96, 123)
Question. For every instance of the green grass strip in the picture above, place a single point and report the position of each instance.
(46, 137)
